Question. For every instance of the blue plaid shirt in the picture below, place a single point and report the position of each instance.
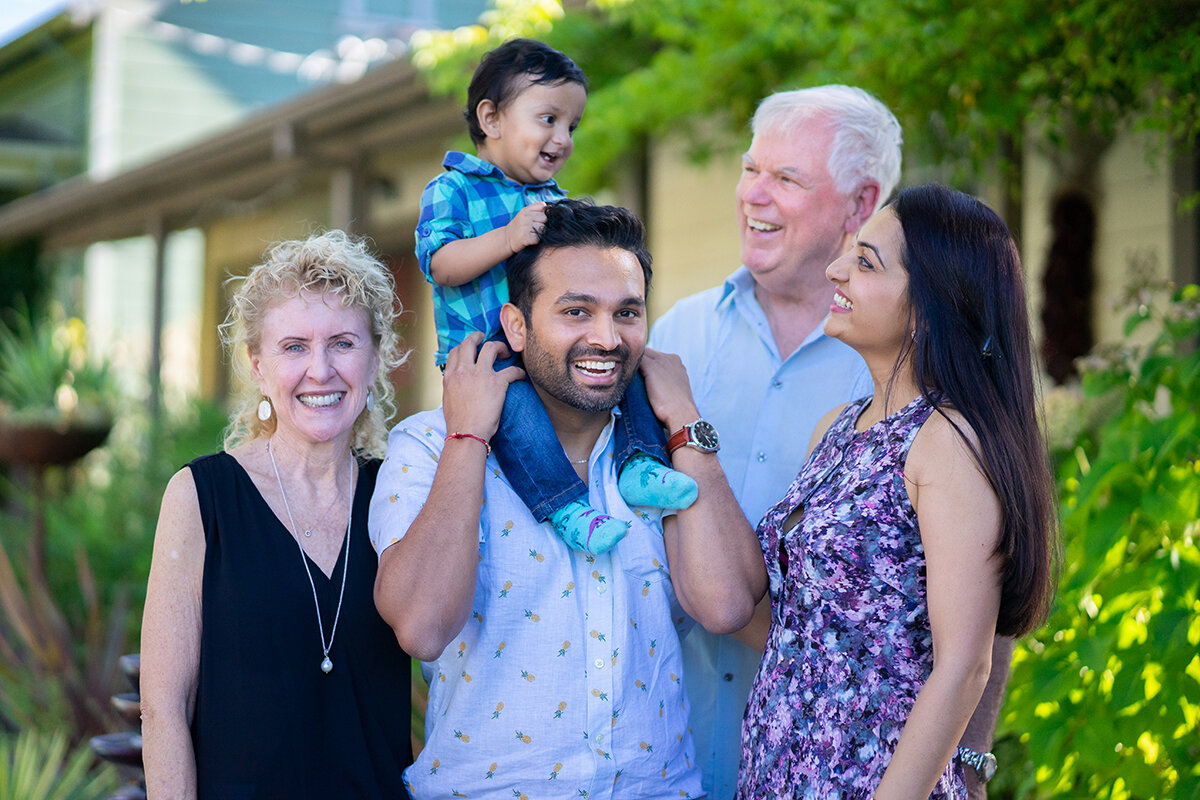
(469, 199)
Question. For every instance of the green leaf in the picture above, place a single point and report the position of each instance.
(36, 766)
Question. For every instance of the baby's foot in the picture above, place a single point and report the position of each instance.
(584, 528)
(647, 482)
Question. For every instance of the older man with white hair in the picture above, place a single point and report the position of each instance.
(821, 161)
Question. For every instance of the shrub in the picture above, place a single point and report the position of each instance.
(1105, 699)
(36, 766)
(60, 638)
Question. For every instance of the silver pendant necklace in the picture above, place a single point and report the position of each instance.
(326, 663)
(308, 530)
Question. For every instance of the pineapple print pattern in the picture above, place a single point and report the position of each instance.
(564, 654)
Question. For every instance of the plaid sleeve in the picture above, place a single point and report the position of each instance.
(444, 218)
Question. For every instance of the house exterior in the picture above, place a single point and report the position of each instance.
(104, 89)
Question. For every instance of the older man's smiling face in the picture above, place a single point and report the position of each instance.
(791, 217)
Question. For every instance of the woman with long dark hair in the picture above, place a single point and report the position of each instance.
(920, 526)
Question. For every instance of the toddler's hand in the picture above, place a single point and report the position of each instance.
(526, 227)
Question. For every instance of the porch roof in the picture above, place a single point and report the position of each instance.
(331, 127)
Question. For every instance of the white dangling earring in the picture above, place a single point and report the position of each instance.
(370, 400)
(264, 409)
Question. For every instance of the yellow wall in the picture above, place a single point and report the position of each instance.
(393, 220)
(1134, 227)
(693, 236)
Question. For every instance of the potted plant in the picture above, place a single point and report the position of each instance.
(55, 403)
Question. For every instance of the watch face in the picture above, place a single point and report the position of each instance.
(987, 766)
(705, 435)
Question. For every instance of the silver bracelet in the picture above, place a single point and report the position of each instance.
(984, 764)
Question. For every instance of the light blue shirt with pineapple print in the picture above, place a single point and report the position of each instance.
(567, 680)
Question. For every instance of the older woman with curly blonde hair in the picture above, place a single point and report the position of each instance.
(266, 671)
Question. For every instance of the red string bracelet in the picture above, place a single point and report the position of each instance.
(457, 435)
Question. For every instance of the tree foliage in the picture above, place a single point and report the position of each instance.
(963, 77)
(1106, 697)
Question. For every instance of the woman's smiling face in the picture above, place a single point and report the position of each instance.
(315, 361)
(870, 309)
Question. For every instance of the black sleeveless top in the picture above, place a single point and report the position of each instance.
(268, 722)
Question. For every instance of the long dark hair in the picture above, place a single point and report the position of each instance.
(972, 348)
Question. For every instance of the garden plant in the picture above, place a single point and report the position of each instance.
(1104, 701)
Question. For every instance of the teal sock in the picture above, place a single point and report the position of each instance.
(647, 482)
(584, 528)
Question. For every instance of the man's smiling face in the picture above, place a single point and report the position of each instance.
(586, 330)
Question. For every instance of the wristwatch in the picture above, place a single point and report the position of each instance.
(699, 434)
(984, 764)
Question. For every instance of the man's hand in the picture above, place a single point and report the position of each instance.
(472, 390)
(526, 227)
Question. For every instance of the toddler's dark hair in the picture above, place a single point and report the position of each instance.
(498, 76)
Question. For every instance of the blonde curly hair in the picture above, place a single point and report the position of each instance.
(327, 262)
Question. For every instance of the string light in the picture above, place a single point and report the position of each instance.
(350, 59)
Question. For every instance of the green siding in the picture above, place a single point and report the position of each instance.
(173, 95)
(49, 87)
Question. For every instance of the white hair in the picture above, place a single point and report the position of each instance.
(866, 135)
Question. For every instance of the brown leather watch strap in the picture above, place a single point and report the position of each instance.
(678, 439)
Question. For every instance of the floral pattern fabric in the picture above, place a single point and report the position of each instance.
(849, 646)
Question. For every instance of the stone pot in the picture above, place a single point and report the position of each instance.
(41, 445)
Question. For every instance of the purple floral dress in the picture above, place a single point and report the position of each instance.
(850, 644)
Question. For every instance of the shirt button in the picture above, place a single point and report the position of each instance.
(778, 384)
(728, 676)
(599, 662)
(762, 456)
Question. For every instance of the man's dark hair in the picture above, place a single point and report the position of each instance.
(500, 72)
(576, 223)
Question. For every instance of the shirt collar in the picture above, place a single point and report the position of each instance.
(739, 285)
(739, 289)
(474, 165)
(604, 441)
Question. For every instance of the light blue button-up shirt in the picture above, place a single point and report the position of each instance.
(765, 409)
(567, 680)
